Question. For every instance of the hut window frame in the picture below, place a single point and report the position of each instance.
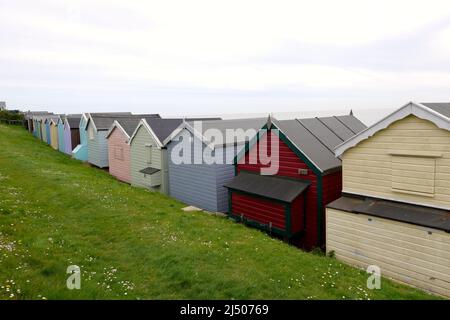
(118, 153)
(402, 166)
(149, 153)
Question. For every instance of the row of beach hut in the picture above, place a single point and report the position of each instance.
(372, 196)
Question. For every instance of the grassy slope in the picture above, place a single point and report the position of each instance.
(132, 243)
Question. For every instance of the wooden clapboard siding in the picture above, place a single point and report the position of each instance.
(289, 164)
(408, 161)
(47, 133)
(43, 131)
(61, 141)
(54, 136)
(196, 182)
(68, 139)
(139, 161)
(262, 210)
(408, 253)
(119, 155)
(97, 147)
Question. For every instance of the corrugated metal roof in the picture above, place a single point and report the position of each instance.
(273, 187)
(321, 132)
(316, 140)
(352, 123)
(338, 127)
(440, 107)
(408, 213)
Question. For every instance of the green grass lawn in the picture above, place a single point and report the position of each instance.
(131, 243)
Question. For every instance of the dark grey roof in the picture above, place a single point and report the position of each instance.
(129, 124)
(440, 107)
(317, 137)
(273, 187)
(149, 170)
(403, 212)
(73, 120)
(338, 127)
(103, 121)
(232, 124)
(163, 127)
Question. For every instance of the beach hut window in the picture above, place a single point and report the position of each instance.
(118, 153)
(413, 175)
(149, 153)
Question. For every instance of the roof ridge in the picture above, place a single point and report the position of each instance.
(321, 142)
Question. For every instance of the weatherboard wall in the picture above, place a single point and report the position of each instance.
(119, 156)
(61, 140)
(408, 253)
(54, 135)
(196, 182)
(97, 147)
(43, 131)
(289, 164)
(47, 132)
(408, 161)
(139, 159)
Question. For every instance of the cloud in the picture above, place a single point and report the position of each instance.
(317, 52)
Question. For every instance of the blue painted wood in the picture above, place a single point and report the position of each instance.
(97, 147)
(81, 151)
(200, 185)
(47, 130)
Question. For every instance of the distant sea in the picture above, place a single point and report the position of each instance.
(367, 116)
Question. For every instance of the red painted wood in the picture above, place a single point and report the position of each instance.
(261, 210)
(289, 164)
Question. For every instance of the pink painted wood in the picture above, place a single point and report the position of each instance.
(119, 156)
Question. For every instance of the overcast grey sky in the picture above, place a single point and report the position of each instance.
(208, 57)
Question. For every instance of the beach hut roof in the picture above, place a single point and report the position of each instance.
(438, 113)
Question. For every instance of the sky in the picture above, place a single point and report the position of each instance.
(223, 57)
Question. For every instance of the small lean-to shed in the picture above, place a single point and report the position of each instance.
(290, 200)
(97, 128)
(148, 154)
(54, 132)
(71, 132)
(60, 128)
(395, 208)
(80, 151)
(195, 180)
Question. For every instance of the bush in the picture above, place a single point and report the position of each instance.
(11, 115)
